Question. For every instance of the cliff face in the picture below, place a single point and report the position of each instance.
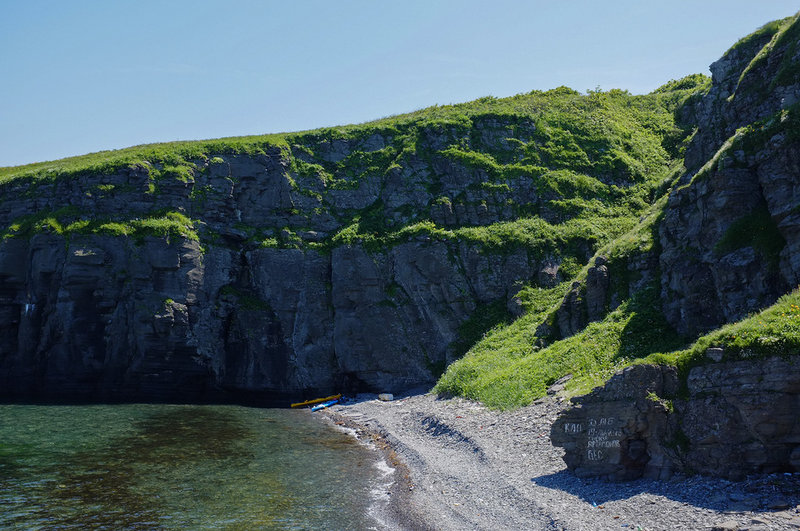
(331, 260)
(729, 234)
(736, 418)
(97, 315)
(372, 256)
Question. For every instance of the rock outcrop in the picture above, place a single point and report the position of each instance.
(735, 418)
(619, 431)
(347, 259)
(585, 302)
(729, 230)
(750, 82)
(729, 247)
(105, 318)
(248, 292)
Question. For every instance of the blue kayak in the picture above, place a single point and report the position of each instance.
(324, 405)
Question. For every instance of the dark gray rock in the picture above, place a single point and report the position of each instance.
(571, 314)
(737, 96)
(702, 288)
(548, 275)
(619, 431)
(597, 283)
(714, 268)
(110, 318)
(165, 318)
(739, 418)
(585, 302)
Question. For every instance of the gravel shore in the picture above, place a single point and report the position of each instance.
(458, 465)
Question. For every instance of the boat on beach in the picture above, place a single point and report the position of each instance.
(317, 401)
(325, 404)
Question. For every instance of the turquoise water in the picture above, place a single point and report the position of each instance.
(167, 466)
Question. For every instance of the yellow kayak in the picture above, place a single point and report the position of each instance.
(316, 401)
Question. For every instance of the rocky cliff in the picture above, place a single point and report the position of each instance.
(736, 418)
(371, 257)
(728, 248)
(729, 234)
(356, 258)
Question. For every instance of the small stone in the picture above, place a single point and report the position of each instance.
(727, 525)
(559, 385)
(386, 397)
(715, 353)
(778, 504)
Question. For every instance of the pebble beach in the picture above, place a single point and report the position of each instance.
(459, 465)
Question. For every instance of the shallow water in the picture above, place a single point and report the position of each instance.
(167, 466)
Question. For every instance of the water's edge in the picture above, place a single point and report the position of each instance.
(392, 508)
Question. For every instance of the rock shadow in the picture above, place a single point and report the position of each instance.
(765, 493)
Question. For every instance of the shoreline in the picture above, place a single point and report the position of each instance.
(394, 512)
(459, 465)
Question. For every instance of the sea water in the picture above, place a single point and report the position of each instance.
(171, 466)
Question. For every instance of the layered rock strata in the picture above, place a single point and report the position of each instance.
(254, 298)
(737, 418)
(729, 241)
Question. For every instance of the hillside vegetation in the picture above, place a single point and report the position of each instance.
(510, 241)
(510, 368)
(553, 175)
(595, 161)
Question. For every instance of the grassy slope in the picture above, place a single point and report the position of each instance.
(775, 331)
(555, 109)
(596, 159)
(505, 369)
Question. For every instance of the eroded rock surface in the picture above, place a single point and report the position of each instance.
(740, 418)
(729, 233)
(620, 429)
(104, 317)
(108, 318)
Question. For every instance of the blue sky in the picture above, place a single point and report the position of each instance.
(84, 75)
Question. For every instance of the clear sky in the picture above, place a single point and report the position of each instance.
(87, 75)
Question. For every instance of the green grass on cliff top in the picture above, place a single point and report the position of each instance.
(594, 159)
(653, 112)
(168, 152)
